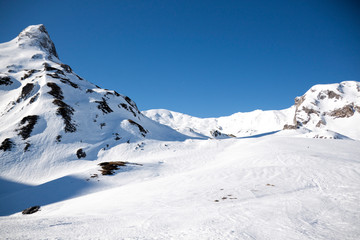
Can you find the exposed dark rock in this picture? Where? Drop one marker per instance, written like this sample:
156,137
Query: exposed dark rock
7,145
299,101
117,94
34,98
103,106
332,94
80,153
108,168
31,210
141,129
132,111
357,108
66,67
48,67
89,91
5,80
53,75
30,122
80,78
27,146
123,105
29,74
321,122
321,96
346,111
68,82
310,111
216,133
65,111
117,136
289,127
37,56
25,92
131,102
55,91
58,138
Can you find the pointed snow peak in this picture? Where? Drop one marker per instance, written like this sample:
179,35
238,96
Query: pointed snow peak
36,35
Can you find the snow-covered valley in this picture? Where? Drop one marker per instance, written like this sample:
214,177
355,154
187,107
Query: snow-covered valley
101,169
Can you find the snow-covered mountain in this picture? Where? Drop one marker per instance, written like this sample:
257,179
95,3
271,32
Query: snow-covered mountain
329,110
48,113
325,111
236,125
97,168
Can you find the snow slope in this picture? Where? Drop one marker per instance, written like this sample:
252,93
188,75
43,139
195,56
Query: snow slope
252,188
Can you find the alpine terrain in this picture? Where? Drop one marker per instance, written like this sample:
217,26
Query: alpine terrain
81,162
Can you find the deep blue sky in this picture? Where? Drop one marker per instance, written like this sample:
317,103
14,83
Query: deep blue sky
203,58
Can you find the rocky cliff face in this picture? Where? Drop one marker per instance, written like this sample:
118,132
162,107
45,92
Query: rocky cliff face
334,107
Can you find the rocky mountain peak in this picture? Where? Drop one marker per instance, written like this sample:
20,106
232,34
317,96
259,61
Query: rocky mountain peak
328,106
37,36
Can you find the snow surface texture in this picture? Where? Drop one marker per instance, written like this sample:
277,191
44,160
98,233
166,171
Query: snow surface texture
236,177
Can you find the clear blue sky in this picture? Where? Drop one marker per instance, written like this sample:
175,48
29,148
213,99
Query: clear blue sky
203,58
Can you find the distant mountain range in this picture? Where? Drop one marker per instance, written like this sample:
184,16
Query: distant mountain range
325,111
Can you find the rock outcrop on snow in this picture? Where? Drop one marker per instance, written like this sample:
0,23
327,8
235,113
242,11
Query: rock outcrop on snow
329,107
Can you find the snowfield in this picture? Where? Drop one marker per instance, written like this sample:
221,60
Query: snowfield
101,169
271,187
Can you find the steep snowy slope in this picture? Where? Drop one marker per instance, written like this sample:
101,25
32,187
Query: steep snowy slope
50,114
236,125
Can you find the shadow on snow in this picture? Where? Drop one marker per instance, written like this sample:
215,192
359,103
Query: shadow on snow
15,197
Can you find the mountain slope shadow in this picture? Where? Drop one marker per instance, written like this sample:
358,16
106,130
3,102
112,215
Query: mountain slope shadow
261,135
44,194
7,187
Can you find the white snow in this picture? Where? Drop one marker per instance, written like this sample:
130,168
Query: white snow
256,182
308,189
238,124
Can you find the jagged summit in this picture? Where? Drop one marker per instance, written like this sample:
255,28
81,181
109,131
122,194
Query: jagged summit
37,36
